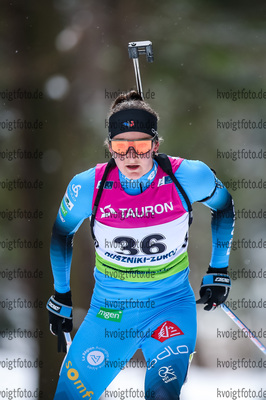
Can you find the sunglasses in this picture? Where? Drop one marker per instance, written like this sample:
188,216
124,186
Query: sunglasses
122,146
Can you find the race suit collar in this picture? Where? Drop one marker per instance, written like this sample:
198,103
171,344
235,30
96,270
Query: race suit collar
137,186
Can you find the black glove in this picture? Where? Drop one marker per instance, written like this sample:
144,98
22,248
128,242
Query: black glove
214,288
60,316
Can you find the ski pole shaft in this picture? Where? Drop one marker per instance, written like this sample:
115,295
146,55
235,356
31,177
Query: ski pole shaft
68,340
244,328
236,320
68,344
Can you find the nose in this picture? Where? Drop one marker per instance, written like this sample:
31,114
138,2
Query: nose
131,152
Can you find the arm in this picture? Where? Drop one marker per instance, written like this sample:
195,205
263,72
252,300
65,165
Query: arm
75,207
201,185
222,224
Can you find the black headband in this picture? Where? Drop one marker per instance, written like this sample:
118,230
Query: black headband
133,120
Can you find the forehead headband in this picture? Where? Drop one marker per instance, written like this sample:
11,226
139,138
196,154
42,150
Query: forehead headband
133,120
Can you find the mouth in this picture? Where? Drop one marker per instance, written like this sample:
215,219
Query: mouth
132,167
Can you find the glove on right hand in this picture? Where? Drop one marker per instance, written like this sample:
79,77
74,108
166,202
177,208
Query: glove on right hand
60,316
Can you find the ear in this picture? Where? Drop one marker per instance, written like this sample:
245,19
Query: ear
156,147
110,150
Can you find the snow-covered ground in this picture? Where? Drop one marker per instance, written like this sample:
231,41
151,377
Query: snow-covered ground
202,384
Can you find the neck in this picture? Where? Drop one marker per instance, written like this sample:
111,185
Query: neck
137,186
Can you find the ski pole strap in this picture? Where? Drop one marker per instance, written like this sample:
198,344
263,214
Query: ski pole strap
110,164
164,162
58,308
216,280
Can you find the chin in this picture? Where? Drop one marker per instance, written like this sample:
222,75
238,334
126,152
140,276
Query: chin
133,175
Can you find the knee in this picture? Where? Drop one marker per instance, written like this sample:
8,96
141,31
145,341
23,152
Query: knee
165,382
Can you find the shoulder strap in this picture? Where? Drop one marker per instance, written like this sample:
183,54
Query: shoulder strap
164,162
214,190
110,165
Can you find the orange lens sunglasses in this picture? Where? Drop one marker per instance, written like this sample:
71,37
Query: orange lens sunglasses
141,146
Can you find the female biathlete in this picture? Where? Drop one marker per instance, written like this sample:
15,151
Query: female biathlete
140,210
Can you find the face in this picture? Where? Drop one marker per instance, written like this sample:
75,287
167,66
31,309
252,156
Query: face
132,165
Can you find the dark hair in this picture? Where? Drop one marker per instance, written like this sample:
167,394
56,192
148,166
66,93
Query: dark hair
127,101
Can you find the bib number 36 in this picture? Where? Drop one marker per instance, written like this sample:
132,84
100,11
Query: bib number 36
148,245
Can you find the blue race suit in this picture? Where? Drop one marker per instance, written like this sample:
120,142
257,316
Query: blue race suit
163,325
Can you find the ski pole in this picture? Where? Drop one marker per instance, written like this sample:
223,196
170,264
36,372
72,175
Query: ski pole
68,340
68,344
236,320
134,50
243,327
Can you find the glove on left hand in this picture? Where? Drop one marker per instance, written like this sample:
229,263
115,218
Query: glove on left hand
214,289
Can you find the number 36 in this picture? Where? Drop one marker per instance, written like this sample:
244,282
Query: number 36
148,245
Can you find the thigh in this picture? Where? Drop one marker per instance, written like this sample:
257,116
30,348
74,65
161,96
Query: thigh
169,350
97,354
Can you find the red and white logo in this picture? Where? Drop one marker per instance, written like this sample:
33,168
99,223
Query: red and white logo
166,331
